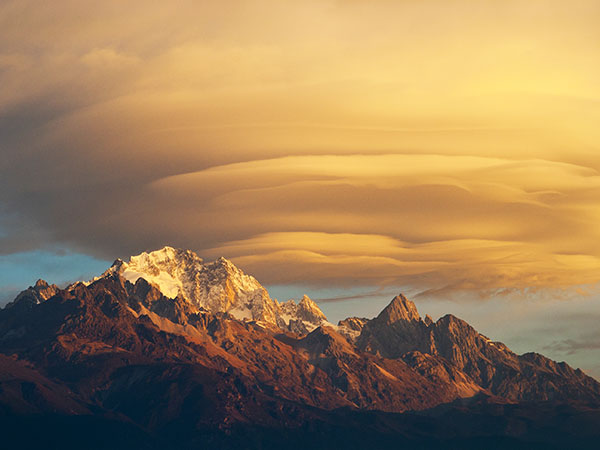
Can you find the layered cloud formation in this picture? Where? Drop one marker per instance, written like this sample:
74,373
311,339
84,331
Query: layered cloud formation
442,145
437,221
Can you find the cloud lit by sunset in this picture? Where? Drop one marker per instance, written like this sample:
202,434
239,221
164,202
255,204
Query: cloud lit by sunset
445,146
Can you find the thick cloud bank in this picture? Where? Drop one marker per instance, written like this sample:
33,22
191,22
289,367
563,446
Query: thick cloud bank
441,145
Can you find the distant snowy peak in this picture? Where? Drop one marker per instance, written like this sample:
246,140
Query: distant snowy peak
302,317
217,286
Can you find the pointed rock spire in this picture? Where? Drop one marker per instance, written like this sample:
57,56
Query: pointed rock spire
308,310
41,284
400,308
34,295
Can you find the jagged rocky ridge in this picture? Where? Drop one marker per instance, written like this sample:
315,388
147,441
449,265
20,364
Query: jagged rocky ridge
34,295
399,332
164,335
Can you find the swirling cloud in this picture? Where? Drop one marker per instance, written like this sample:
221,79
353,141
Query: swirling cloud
429,220
441,145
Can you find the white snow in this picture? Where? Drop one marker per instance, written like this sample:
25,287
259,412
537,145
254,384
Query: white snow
241,314
218,286
168,285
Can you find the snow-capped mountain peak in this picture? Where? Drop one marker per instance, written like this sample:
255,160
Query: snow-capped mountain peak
217,286
168,268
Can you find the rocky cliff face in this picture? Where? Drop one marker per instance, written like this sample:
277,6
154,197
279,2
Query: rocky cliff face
396,330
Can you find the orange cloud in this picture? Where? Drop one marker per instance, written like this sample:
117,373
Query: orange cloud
426,220
429,143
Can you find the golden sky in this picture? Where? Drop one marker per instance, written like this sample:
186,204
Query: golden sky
444,145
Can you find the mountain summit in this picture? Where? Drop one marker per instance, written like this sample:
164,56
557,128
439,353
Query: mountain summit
217,286
400,308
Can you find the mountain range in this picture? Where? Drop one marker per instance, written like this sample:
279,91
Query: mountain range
167,351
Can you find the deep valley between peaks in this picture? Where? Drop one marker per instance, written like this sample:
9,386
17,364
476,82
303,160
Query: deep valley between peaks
167,351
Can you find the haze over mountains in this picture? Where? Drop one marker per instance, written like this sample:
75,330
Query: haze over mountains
167,345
